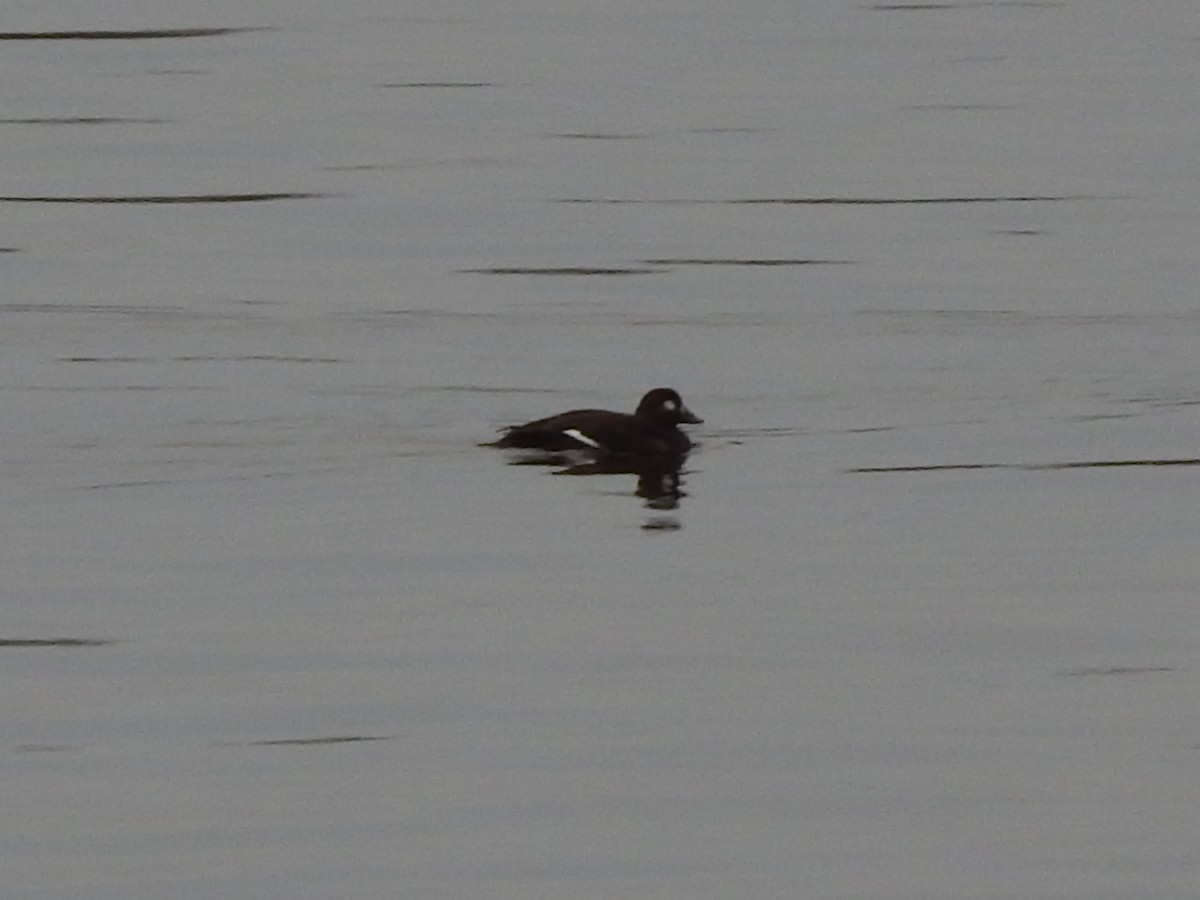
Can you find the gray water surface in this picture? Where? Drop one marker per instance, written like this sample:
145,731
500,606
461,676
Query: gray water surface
923,623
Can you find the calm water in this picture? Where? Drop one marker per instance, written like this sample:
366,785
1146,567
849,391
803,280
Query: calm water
923,626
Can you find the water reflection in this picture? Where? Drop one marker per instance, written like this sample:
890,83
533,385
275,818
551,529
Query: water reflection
660,480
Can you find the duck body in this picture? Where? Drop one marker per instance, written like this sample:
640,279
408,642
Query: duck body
652,430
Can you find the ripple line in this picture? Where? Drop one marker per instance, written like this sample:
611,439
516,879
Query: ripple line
1029,467
168,198
718,261
319,741
84,120
562,270
121,35
835,201
55,642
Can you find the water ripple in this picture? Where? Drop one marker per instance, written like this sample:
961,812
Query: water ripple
167,198
142,34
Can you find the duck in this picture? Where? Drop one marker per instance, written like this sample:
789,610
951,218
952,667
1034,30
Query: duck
652,431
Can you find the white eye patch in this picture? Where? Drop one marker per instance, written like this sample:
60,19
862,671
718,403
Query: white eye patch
576,434
670,405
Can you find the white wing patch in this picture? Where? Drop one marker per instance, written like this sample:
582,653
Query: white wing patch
578,435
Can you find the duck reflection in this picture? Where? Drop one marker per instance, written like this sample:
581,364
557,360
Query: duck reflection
660,479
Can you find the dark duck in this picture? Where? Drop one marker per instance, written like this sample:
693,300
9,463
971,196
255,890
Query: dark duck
651,432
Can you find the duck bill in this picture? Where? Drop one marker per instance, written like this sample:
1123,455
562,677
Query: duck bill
687,417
